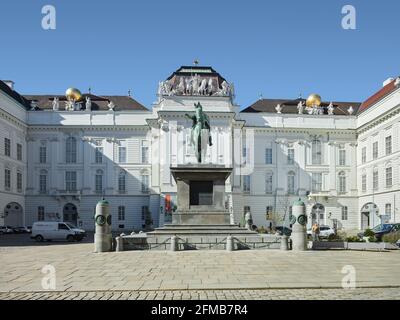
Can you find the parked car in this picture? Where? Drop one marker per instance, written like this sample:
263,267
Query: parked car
22,230
6,229
324,231
284,230
56,231
381,229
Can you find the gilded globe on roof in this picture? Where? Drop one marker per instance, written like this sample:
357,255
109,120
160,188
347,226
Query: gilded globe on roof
73,94
313,100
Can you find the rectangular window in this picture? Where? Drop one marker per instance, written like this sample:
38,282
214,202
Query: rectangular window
145,183
99,183
290,157
244,155
364,182
246,183
43,183
345,216
99,155
389,177
121,213
316,182
122,154
388,145
145,209
145,152
7,179
7,147
342,157
19,152
375,150
342,183
19,181
42,154
268,156
269,214
40,213
375,180
316,152
388,210
70,181
268,183
188,146
71,152
121,183
364,155
291,184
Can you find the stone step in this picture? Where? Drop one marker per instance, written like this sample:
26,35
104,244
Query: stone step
213,230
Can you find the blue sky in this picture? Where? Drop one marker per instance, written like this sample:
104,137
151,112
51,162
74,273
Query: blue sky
277,48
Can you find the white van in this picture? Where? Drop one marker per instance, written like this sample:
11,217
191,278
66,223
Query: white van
56,231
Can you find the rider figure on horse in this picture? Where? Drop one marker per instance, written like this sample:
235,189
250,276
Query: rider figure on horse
200,122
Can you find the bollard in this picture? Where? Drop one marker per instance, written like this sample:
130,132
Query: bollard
284,243
174,243
119,246
299,226
103,241
229,244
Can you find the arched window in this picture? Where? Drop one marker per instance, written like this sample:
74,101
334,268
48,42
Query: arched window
316,152
122,182
290,182
342,182
70,150
43,181
99,181
268,182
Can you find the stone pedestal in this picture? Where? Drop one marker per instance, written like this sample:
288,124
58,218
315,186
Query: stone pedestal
201,195
202,222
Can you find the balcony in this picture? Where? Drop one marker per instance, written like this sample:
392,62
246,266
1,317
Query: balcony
319,194
68,194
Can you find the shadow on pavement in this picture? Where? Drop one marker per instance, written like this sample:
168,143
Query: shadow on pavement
24,240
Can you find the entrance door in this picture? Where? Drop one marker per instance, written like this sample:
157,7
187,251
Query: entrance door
318,214
368,211
70,214
13,215
365,220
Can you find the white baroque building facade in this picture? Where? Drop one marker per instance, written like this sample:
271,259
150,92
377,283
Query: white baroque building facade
59,156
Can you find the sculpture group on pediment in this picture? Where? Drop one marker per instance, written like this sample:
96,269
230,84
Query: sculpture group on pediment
195,86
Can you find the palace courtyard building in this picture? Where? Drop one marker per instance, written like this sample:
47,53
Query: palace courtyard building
60,155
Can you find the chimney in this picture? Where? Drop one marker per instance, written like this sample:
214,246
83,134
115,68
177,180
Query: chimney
387,81
10,83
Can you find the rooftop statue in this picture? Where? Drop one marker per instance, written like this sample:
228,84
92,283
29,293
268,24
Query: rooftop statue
200,133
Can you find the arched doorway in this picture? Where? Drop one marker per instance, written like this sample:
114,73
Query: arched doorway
13,215
70,214
367,212
318,214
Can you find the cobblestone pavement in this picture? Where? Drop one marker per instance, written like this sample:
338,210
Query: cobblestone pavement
269,294
79,271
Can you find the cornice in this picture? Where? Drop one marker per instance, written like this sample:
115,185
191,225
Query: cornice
381,119
13,120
